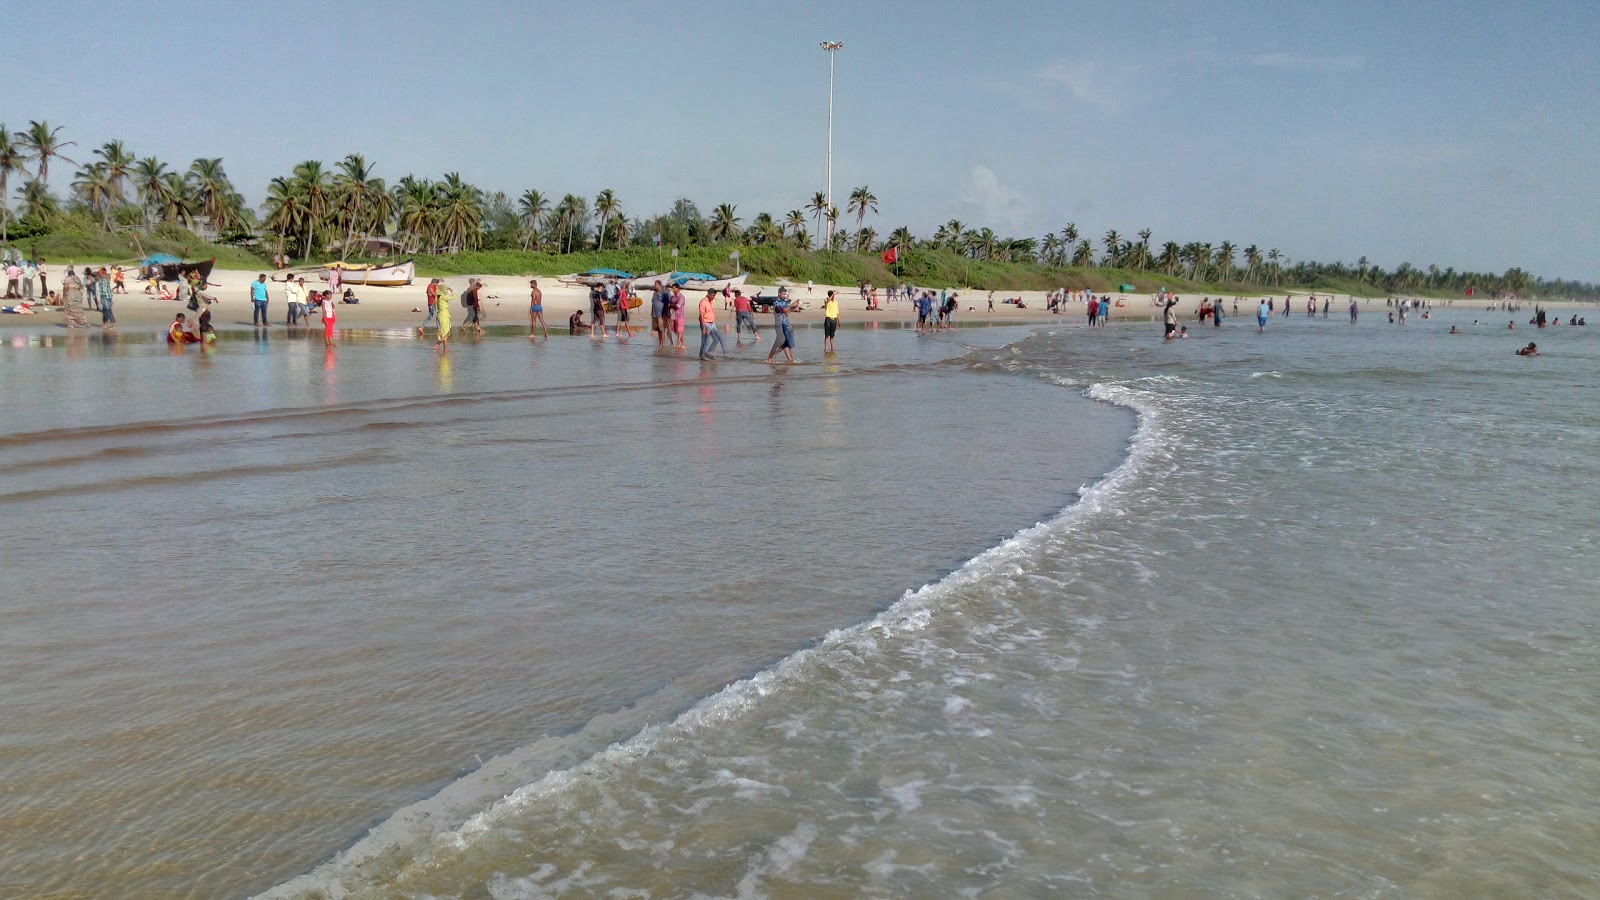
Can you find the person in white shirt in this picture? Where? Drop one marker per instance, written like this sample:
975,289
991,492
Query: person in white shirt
294,294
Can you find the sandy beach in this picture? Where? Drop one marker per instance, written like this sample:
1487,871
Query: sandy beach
506,303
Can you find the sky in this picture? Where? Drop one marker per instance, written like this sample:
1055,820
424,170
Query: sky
1460,133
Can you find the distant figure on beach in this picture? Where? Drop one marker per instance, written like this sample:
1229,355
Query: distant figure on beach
708,325
103,287
72,300
536,309
924,306
294,297
1531,350
335,278
830,321
658,312
473,303
441,337
743,315
783,335
1354,310
677,313
1169,319
258,301
597,312
328,318
1094,310
1262,312
13,281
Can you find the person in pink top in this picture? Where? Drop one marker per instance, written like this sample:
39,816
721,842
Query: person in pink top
708,325
743,315
328,315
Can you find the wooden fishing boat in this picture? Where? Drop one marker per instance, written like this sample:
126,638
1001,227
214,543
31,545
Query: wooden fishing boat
370,275
171,268
691,281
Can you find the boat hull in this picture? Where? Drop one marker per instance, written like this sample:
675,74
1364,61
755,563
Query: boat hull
380,276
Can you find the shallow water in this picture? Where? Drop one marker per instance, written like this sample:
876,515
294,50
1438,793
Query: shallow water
262,598
1326,628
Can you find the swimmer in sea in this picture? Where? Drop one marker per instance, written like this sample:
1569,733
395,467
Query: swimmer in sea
1531,350
1453,330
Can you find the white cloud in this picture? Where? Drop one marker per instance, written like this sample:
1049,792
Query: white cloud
992,203
1087,82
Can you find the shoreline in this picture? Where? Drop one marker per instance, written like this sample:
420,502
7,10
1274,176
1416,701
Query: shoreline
505,302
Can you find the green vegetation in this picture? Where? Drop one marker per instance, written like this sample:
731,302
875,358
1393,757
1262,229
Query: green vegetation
316,213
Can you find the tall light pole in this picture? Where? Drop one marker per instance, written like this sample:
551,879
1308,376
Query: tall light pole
832,48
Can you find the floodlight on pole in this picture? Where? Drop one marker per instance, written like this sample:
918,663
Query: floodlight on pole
832,48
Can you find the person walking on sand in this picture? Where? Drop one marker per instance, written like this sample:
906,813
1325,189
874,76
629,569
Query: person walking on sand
441,340
830,321
783,335
708,325
743,315
72,300
258,302
536,309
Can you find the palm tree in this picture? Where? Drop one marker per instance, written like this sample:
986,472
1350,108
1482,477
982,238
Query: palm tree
11,159
724,224
212,192
533,205
40,144
818,206
119,167
794,222
902,238
607,205
1171,258
38,203
285,208
361,199
312,182
1069,234
93,186
1224,261
571,211
177,204
862,201
1084,255
1272,262
1252,261
460,213
149,180
1113,245
415,200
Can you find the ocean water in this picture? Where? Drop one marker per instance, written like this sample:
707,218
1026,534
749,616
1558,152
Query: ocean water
1007,613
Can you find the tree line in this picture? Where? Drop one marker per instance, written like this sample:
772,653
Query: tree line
317,209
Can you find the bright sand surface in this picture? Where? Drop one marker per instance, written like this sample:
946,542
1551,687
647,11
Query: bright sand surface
505,302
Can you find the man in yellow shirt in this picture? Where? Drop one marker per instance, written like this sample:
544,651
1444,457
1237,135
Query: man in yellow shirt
830,321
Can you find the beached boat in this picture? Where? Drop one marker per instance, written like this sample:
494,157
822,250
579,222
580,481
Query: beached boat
690,281
594,277
395,275
171,268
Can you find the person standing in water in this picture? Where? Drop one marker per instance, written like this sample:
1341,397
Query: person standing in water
445,297
783,335
1262,312
1169,319
708,325
536,309
830,321
1354,310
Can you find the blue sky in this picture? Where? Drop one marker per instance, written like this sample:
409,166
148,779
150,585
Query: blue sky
1457,133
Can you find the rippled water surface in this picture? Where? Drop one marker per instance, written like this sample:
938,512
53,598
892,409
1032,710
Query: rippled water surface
1326,627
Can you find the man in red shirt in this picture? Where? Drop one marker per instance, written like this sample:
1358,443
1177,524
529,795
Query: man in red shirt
743,315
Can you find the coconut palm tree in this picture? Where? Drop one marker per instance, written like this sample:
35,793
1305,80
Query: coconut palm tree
286,211
1224,261
358,198
724,224
460,213
38,203
862,201
1252,261
1113,245
818,207
607,205
149,181
901,237
11,159
119,167
1171,258
1272,262
533,205
40,144
794,222
572,211
315,186
212,192
864,239
1084,255
93,186
1144,248
177,204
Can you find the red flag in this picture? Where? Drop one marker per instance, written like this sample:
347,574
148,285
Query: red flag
891,255
1469,292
